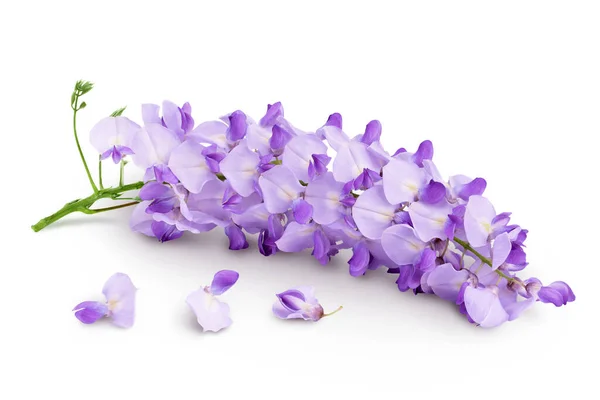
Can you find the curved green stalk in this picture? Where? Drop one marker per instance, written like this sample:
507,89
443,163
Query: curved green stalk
83,205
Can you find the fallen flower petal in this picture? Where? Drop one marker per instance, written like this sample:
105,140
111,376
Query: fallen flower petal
299,303
119,292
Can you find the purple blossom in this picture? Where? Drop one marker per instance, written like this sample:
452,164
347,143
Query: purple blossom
211,313
325,191
119,306
299,303
177,119
113,136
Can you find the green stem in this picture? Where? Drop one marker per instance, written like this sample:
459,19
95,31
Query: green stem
83,205
333,312
99,210
483,259
122,173
87,170
100,173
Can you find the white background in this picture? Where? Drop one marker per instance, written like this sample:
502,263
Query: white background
509,91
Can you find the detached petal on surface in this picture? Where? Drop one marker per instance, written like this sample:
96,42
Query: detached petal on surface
120,298
89,312
212,314
223,281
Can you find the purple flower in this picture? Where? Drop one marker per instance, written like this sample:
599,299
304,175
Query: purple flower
484,307
152,146
280,188
240,167
119,305
298,154
402,180
177,120
189,164
297,237
325,191
373,213
352,159
300,303
480,220
113,136
212,314
324,195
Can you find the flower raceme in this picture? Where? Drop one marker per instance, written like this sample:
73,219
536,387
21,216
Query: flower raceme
325,191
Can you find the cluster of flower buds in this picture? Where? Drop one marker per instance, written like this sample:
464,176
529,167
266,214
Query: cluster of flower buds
323,191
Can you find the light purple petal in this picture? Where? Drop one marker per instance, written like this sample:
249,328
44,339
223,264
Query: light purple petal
258,137
284,313
172,117
206,207
352,159
372,133
402,180
424,152
321,247
401,244
293,300
474,188
279,138
141,221
253,219
150,114
500,250
274,112
153,145
189,165
162,206
302,211
280,187
324,195
334,119
359,262
165,231
212,314
429,220
237,126
373,213
240,167
432,193
512,303
120,299
298,153
484,307
366,179
296,237
210,132
550,295
478,220
564,290
336,138
446,282
223,281
237,239
155,190
113,131
89,312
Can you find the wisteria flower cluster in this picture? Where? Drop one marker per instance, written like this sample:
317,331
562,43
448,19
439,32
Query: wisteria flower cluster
324,191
